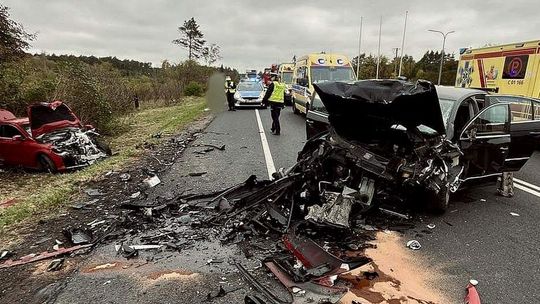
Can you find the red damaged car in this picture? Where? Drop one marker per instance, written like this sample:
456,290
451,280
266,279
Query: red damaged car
51,138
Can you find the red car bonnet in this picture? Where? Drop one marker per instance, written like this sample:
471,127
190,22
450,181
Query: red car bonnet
47,117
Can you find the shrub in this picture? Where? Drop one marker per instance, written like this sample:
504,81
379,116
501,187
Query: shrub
193,89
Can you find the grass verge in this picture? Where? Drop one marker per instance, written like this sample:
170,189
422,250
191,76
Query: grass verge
39,194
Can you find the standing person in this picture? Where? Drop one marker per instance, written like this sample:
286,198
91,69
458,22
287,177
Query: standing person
274,98
230,89
136,101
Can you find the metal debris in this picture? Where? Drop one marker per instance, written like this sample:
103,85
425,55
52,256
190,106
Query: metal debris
200,173
42,256
152,181
56,264
414,245
93,192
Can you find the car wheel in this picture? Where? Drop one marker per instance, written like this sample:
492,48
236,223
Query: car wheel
46,164
295,110
103,146
438,202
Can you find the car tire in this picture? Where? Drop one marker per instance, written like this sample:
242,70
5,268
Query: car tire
438,202
103,146
295,110
46,164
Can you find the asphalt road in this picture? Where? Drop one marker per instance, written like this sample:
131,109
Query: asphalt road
477,238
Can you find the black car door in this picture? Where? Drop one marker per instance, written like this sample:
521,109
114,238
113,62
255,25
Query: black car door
524,129
485,141
316,118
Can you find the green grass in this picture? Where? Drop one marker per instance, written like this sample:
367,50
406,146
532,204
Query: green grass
38,194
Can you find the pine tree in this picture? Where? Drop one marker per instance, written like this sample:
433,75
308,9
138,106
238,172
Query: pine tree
13,38
191,38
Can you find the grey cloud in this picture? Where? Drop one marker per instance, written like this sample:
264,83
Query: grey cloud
254,34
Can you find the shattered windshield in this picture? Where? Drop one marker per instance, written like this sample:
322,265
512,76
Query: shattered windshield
331,74
446,108
250,86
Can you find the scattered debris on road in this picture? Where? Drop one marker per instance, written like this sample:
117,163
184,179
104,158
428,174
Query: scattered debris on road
414,245
56,264
472,296
152,181
44,255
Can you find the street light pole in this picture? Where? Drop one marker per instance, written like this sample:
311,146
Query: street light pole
442,52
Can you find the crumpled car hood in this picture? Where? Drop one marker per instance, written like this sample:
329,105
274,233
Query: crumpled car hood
363,107
47,117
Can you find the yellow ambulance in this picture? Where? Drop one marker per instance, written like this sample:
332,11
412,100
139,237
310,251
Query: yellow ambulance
313,68
285,72
512,69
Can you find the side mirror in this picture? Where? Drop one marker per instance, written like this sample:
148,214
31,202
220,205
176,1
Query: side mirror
17,138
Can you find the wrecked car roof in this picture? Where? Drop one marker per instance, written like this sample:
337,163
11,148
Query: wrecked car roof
6,115
47,117
367,105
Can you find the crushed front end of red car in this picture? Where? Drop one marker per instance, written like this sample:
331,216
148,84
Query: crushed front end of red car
51,139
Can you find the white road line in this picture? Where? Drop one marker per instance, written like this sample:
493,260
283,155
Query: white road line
266,149
524,183
527,189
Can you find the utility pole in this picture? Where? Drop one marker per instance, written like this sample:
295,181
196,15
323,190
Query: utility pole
359,46
442,52
395,61
379,50
403,43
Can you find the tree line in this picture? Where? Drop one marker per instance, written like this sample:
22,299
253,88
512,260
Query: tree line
426,68
98,89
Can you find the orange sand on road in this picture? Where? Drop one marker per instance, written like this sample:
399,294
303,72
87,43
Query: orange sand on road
401,279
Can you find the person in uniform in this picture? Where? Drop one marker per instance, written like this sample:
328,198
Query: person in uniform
274,98
230,89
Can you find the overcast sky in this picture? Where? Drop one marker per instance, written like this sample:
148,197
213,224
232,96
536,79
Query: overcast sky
254,34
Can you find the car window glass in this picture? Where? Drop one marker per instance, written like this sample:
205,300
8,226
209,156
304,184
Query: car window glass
300,75
9,131
446,108
520,108
317,105
536,110
249,86
490,122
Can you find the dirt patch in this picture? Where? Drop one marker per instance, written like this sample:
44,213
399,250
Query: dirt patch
171,274
104,267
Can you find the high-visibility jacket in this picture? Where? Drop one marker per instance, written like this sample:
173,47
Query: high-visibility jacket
230,87
278,92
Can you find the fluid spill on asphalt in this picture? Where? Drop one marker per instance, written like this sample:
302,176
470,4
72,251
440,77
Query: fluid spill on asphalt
401,279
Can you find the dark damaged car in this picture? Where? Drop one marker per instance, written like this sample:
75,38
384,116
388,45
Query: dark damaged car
393,139
51,138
